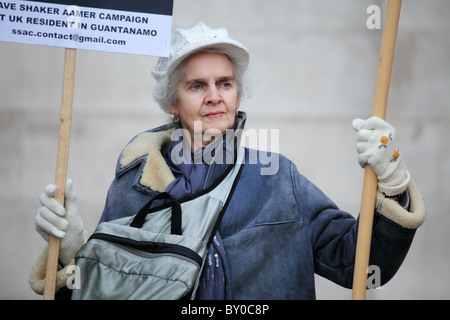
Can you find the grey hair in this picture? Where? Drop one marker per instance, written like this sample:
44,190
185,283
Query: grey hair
168,95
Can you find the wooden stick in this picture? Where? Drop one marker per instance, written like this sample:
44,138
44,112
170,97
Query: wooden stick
370,178
61,166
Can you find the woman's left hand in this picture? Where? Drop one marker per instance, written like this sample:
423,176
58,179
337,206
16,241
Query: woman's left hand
376,146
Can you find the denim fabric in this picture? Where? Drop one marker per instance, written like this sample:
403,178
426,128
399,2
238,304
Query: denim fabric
283,229
278,231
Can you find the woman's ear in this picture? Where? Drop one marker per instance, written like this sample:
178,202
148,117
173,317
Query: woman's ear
173,109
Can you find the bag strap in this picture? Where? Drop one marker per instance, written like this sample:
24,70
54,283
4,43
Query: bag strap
225,206
223,192
175,227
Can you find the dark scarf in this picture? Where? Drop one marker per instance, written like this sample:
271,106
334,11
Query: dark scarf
189,180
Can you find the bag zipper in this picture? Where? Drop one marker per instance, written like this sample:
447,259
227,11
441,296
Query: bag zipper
149,247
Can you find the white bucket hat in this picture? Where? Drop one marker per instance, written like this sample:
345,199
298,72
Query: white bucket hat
188,41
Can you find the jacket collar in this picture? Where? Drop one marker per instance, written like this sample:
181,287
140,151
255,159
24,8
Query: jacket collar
144,150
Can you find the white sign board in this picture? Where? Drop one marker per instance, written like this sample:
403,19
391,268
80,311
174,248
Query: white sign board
126,26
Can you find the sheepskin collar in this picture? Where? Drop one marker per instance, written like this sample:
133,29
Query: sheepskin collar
145,150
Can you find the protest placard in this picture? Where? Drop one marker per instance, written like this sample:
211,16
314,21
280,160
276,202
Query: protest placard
135,27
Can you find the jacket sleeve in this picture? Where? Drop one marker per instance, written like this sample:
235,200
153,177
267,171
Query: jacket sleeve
333,232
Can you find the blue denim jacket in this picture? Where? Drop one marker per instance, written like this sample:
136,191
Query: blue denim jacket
278,230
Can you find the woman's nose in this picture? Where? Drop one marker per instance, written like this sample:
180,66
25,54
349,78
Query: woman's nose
213,97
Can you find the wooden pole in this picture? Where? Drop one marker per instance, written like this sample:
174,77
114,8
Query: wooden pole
370,178
61,165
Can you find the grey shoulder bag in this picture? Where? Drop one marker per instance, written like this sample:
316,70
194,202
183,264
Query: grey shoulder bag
155,254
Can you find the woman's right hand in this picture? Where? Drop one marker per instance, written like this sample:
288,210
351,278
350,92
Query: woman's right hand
62,222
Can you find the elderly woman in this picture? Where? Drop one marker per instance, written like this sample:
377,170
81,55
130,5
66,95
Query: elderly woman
279,228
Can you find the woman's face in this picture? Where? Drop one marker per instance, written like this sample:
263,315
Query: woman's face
207,96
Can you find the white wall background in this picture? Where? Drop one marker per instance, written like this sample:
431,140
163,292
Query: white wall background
314,63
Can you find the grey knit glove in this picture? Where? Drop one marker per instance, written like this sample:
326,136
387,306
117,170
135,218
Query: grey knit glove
377,146
62,222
